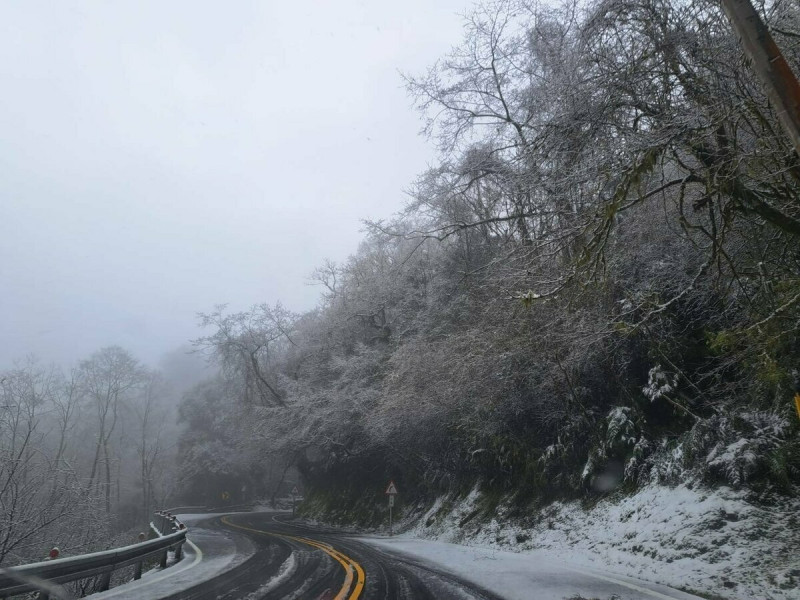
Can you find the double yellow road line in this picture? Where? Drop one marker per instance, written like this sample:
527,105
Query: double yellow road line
348,564
353,570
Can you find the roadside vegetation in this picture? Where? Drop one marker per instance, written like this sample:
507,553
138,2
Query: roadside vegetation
595,288
86,454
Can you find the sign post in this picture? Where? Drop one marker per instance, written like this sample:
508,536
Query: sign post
295,491
796,377
391,491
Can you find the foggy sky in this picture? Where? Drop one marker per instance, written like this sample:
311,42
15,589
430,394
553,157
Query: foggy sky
157,158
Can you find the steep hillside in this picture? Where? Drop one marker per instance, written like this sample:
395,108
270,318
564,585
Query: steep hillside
595,290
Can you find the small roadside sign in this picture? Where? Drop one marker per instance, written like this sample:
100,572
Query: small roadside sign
391,491
294,493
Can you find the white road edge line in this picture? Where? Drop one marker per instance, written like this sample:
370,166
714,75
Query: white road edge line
626,584
275,518
169,572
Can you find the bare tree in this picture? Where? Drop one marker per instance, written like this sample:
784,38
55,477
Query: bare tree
151,417
246,346
39,491
109,377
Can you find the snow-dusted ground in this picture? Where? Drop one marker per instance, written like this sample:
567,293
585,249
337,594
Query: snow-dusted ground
534,574
714,543
711,542
207,553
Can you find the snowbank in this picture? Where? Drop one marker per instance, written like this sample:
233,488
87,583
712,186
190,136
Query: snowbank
707,541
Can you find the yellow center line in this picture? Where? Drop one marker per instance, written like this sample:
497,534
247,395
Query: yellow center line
343,559
348,564
348,579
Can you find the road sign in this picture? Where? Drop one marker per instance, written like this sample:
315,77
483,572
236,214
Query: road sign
391,491
295,492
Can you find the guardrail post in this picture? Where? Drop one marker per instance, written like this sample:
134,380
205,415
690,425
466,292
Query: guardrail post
178,552
163,562
137,571
105,581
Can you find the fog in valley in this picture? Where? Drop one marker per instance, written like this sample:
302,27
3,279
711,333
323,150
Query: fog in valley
156,161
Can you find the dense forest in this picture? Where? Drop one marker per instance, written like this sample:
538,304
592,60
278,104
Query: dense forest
595,287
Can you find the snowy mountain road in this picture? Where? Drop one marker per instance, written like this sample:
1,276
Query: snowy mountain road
295,560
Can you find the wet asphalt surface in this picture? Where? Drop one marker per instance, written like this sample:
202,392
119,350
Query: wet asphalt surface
296,561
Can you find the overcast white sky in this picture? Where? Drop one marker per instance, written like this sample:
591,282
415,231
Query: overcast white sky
157,158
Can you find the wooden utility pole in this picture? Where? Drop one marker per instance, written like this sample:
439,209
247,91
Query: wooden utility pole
780,83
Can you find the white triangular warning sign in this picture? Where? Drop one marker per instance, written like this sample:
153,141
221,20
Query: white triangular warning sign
392,489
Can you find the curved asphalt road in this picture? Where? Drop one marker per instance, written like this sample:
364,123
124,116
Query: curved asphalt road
294,561
270,556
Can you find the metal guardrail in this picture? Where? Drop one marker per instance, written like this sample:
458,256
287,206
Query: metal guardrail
227,507
27,578
184,509
165,522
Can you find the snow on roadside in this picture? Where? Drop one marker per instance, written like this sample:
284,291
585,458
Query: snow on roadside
522,576
285,573
709,541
